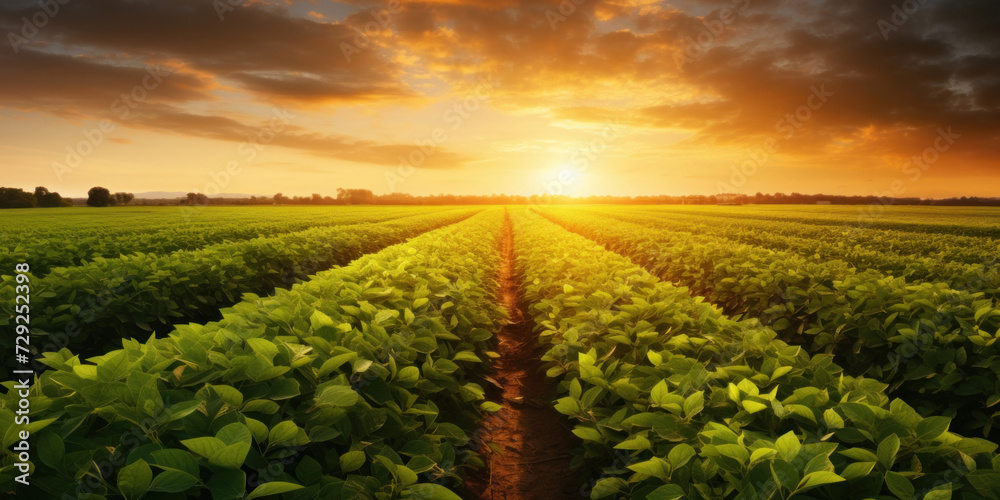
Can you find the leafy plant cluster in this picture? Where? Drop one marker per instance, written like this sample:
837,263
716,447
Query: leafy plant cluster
965,263
359,383
69,240
107,299
920,338
671,399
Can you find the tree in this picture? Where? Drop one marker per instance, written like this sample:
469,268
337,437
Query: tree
99,197
279,199
355,196
49,199
122,199
197,199
16,198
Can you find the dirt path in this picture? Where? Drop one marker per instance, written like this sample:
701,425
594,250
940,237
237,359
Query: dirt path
534,442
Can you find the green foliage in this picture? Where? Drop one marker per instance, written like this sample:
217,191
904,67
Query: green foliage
78,237
106,299
920,338
671,399
360,383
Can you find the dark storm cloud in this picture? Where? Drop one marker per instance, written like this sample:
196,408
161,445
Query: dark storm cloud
277,56
90,55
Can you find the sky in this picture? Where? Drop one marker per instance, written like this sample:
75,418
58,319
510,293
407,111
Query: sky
575,97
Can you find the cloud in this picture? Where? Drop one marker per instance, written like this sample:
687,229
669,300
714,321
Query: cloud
264,50
727,72
279,132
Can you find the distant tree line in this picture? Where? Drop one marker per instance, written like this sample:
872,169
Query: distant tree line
102,197
42,197
344,197
366,197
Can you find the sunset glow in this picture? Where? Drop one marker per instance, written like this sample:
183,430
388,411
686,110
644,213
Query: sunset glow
618,97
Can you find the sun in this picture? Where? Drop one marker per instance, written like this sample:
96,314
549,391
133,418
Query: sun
563,180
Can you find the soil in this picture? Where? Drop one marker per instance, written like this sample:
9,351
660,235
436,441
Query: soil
533,439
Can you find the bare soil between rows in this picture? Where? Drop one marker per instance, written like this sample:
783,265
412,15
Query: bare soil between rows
533,439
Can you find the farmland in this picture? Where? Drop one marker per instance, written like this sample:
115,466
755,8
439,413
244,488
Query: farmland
661,352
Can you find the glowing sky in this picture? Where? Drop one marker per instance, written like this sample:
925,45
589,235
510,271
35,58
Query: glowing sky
621,97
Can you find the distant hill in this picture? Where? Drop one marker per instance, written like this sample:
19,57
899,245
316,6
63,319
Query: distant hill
170,195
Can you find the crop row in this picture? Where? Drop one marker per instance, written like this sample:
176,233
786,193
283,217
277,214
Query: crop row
883,252
46,249
671,399
93,305
972,222
923,339
964,249
359,383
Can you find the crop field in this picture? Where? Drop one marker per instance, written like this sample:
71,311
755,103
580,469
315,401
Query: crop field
655,352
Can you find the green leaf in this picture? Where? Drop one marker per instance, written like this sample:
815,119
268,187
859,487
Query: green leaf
833,419
134,479
680,454
273,488
337,396
234,433
753,406
942,492
666,492
227,484
205,446
658,395
587,434
51,449
173,481
932,428
490,406
408,376
175,459
429,491
352,461
264,347
887,450
113,367
818,478
694,404
785,474
282,433
318,320
788,446
857,470
656,467
466,356
899,485
636,443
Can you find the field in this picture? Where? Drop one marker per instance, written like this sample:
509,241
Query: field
660,352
